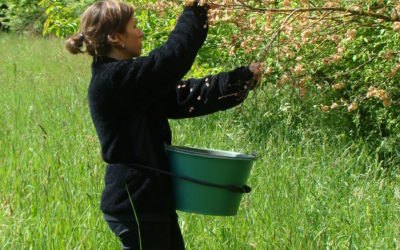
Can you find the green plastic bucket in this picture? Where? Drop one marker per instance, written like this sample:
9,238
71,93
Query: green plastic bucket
221,168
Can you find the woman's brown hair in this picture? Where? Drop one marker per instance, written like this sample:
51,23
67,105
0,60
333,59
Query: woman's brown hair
99,21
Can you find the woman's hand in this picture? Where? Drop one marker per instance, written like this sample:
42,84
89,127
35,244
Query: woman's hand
209,6
257,69
213,6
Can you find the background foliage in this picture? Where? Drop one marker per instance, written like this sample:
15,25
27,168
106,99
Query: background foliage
23,15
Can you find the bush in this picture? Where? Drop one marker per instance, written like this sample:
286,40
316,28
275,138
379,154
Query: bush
22,15
338,59
3,18
63,16
59,17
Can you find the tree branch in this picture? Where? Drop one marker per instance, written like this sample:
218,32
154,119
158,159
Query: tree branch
320,9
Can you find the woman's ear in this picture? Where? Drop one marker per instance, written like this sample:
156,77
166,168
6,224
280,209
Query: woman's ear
114,40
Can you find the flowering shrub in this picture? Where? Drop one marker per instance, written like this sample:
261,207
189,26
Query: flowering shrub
341,57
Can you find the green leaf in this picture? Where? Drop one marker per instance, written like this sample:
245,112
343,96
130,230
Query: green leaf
49,9
46,26
42,2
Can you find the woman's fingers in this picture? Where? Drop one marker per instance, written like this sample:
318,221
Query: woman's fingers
257,69
213,6
207,5
254,67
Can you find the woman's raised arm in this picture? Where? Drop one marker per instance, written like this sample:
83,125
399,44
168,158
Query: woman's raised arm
196,97
150,75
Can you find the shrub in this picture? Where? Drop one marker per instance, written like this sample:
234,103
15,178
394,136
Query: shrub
63,16
22,15
341,58
3,18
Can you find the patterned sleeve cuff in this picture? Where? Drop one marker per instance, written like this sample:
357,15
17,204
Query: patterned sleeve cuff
240,81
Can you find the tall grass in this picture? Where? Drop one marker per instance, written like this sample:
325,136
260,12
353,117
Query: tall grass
312,186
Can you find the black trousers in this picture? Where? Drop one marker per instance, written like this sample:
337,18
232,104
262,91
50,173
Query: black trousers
156,232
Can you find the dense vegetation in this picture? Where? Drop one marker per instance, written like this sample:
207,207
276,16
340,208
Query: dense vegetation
325,123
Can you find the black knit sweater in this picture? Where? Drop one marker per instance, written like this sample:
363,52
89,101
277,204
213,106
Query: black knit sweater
130,103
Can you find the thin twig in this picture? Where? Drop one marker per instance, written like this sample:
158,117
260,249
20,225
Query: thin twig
351,70
268,47
320,9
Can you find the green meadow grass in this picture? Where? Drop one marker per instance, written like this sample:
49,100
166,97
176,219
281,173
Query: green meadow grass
313,187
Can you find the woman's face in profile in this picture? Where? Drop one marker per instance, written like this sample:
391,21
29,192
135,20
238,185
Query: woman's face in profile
132,39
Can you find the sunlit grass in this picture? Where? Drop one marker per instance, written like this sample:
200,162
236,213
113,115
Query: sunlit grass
312,186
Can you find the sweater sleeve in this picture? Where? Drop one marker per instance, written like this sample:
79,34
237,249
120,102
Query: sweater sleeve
144,78
196,97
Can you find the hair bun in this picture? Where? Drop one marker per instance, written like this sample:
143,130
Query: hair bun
74,44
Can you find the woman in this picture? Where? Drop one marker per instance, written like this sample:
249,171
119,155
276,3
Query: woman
130,102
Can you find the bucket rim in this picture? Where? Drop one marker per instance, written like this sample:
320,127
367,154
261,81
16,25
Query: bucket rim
210,153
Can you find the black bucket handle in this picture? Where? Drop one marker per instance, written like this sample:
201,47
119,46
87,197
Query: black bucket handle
244,189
